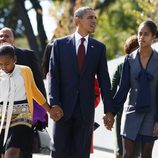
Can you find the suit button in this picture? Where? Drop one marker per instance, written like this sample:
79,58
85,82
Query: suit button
136,89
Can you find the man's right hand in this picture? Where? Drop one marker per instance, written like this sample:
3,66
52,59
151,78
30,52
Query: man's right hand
56,112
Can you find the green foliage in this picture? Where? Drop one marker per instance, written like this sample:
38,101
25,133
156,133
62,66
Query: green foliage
22,42
119,21
9,16
4,3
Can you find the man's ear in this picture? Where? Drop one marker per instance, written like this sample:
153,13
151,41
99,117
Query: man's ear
76,21
15,59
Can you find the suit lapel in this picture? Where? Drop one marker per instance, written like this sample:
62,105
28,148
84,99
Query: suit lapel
72,48
153,63
135,64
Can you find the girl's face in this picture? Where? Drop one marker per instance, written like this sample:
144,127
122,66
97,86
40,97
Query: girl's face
7,63
145,36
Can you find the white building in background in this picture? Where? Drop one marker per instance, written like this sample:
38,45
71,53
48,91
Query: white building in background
155,45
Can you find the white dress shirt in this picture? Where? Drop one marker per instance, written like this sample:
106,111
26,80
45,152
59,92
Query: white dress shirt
78,41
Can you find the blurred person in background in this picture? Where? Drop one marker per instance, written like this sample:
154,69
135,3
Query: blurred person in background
130,45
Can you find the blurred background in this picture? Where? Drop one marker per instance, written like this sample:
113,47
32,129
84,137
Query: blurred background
37,22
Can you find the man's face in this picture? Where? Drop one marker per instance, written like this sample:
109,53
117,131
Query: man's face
6,36
87,23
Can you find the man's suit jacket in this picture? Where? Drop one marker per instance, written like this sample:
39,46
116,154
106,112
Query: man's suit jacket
67,85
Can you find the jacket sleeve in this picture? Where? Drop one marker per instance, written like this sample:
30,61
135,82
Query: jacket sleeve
37,72
104,81
121,95
54,76
116,79
156,114
36,94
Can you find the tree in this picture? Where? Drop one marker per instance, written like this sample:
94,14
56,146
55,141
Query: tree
14,14
26,22
65,21
120,20
41,32
117,20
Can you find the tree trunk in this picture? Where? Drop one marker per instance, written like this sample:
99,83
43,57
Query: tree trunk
28,27
41,32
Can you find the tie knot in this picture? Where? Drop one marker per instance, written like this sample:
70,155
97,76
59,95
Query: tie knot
82,40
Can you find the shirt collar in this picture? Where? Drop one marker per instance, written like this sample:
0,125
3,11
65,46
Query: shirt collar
78,37
15,71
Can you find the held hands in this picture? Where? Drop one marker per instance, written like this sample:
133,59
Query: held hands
56,113
108,120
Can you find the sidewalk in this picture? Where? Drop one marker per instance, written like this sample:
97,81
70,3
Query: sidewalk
97,154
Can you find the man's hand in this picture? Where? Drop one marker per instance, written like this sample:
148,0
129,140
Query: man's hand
108,120
56,112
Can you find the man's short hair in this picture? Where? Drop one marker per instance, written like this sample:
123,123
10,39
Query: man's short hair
81,11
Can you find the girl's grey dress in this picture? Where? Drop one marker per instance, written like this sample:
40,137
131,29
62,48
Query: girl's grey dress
140,114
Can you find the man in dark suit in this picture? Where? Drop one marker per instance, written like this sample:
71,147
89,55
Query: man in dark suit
74,63
29,58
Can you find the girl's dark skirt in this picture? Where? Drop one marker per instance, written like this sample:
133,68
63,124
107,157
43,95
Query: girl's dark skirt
19,136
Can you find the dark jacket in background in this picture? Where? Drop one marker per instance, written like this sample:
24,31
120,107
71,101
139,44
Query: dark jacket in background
46,57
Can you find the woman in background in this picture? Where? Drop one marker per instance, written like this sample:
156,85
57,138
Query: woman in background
130,45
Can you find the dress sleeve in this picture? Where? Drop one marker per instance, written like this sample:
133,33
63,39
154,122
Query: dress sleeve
36,94
121,95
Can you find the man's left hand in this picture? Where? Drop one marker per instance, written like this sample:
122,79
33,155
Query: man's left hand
108,120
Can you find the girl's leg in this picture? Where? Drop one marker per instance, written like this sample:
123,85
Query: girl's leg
12,153
118,149
147,148
128,148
